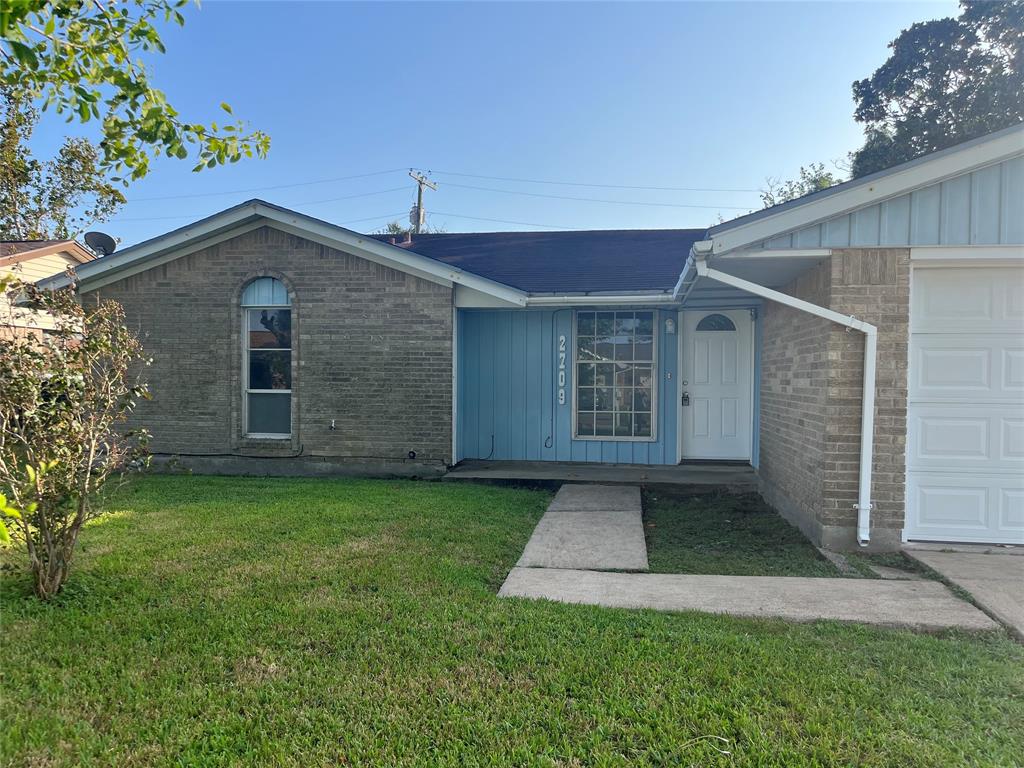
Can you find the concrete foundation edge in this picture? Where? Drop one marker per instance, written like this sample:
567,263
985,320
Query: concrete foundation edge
839,538
294,466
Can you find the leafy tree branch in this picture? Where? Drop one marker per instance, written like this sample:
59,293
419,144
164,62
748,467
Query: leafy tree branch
80,58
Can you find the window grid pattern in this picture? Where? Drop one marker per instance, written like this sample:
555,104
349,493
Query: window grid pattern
267,364
615,366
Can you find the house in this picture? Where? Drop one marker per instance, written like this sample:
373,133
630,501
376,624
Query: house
31,261
890,306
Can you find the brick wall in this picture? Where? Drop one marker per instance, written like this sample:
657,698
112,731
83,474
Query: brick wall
810,431
371,350
794,389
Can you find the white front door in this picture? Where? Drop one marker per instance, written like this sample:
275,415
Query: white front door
965,405
715,381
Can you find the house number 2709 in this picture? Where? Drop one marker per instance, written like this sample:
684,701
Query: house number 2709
561,369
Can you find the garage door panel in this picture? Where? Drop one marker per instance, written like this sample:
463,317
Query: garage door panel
1011,440
943,368
959,300
944,503
944,437
1011,510
968,368
947,301
962,438
1013,370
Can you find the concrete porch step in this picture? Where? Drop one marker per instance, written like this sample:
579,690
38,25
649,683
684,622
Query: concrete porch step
732,476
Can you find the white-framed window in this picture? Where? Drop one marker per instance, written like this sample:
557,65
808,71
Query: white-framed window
616,373
267,358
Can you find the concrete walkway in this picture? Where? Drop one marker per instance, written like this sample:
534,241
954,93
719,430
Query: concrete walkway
598,527
995,580
589,531
920,605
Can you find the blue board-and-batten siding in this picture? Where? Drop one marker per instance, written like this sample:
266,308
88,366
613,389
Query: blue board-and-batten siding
982,207
507,392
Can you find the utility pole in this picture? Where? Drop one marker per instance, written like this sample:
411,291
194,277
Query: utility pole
417,217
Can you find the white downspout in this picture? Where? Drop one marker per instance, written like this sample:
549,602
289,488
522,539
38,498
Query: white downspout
867,416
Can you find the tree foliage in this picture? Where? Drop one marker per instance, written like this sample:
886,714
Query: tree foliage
398,229
48,199
80,58
945,81
64,396
813,178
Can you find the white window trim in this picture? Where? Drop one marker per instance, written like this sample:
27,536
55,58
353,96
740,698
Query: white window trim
655,376
246,391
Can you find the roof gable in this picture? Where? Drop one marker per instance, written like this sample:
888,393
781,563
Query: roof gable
257,213
848,213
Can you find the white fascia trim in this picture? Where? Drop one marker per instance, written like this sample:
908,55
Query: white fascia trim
245,218
896,183
867,422
600,299
967,253
778,253
687,280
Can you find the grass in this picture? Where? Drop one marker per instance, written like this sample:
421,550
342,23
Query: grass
729,534
227,621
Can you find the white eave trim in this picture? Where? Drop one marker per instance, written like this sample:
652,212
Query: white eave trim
967,253
251,216
579,300
896,182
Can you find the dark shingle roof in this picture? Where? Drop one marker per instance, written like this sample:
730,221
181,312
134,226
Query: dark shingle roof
617,260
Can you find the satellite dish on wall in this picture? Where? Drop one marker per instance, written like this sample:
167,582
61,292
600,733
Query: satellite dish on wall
100,242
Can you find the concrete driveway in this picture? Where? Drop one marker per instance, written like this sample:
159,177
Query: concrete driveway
994,579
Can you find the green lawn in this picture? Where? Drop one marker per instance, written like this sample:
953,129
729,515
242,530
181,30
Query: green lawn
723,533
226,621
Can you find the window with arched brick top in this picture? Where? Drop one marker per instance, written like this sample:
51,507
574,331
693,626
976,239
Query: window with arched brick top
267,360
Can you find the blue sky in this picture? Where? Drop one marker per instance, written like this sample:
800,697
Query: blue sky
695,95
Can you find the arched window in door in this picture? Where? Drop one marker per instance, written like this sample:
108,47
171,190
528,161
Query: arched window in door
715,322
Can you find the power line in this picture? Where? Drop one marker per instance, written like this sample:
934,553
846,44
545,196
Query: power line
603,186
261,189
308,202
499,221
444,173
598,200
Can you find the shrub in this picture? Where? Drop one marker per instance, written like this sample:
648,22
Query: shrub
66,388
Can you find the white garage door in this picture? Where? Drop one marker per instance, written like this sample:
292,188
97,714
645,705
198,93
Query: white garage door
965,431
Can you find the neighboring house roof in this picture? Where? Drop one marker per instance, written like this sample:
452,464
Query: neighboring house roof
868,190
15,251
595,261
